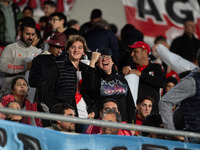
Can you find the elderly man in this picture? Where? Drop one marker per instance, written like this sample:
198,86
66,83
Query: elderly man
66,110
187,94
152,76
14,57
112,116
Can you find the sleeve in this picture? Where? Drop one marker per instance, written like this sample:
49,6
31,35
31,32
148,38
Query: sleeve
48,96
176,95
130,106
8,62
35,73
156,77
113,44
174,61
90,82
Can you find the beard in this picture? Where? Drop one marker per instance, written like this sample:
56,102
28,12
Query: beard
27,42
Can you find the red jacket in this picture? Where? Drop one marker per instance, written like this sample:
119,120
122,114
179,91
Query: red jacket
96,129
29,106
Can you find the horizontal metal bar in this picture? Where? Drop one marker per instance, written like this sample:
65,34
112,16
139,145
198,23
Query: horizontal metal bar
95,122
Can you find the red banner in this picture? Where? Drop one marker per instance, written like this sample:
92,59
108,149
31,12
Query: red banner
162,17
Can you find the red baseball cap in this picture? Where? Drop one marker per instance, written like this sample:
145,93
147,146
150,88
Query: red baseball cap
57,39
141,44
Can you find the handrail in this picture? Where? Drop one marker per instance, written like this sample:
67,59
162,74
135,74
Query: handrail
95,122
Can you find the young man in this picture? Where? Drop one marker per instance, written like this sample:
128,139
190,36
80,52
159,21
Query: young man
144,108
13,58
58,22
151,76
49,7
66,110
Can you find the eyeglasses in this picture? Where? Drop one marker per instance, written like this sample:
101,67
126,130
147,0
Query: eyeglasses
105,57
53,20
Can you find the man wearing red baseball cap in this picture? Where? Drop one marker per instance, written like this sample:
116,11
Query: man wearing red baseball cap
42,64
152,76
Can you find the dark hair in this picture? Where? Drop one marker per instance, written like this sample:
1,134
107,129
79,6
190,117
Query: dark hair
96,13
71,31
60,109
28,8
113,28
49,2
43,19
15,80
27,22
39,44
71,23
111,111
188,19
60,16
107,100
153,120
159,38
169,79
144,97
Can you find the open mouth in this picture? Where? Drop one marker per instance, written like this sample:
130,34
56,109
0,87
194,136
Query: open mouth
105,64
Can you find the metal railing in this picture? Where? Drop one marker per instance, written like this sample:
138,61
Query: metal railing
95,122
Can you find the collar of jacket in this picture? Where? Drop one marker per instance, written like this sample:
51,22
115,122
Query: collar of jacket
21,44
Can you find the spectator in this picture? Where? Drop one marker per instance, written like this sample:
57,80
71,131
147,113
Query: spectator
171,82
73,24
112,116
13,58
129,35
27,12
153,120
100,37
144,108
9,14
64,82
185,93
12,117
103,81
58,22
108,103
96,15
49,7
41,67
66,110
152,76
187,45
19,88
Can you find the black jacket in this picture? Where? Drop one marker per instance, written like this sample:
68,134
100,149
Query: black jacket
61,85
152,78
186,47
100,85
39,72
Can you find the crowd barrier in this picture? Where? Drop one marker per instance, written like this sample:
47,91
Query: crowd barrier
26,137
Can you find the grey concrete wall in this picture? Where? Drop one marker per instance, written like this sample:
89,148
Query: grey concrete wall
113,11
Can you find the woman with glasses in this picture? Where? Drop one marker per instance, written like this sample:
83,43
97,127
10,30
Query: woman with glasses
102,81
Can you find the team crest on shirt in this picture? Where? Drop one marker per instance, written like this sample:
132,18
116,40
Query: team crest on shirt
151,73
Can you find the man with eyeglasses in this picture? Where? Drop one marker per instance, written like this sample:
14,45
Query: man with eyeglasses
151,75
107,104
102,81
